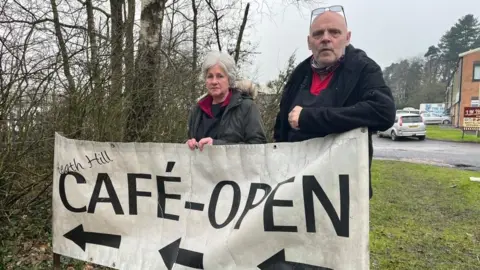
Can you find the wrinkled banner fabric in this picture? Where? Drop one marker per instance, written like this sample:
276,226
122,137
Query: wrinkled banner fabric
279,206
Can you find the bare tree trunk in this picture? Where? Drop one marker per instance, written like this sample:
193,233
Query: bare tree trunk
216,19
194,50
170,33
117,47
94,72
96,90
63,48
74,124
144,98
129,48
240,34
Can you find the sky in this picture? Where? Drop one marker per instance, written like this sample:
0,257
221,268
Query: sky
387,31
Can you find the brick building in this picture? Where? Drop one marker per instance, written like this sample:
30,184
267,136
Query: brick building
464,89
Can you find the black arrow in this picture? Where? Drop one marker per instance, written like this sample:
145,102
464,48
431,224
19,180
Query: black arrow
81,238
278,262
172,253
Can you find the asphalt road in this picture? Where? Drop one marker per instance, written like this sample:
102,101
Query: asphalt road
462,155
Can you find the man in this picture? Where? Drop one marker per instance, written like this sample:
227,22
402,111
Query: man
337,89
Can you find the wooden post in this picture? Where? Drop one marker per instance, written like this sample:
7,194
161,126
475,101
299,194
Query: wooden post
56,256
478,99
56,261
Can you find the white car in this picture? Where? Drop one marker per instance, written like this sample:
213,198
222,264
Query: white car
406,125
408,110
433,118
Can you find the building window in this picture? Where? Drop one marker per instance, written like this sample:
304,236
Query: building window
476,71
474,102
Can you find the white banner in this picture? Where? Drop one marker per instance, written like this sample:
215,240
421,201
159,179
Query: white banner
149,206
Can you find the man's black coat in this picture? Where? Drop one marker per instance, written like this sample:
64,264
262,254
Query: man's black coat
362,99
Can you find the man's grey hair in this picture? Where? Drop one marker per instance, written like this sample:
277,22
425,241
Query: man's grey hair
226,62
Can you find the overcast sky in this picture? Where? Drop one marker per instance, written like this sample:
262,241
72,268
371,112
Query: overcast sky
387,30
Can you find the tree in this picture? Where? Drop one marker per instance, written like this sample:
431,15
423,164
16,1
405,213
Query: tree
461,37
269,102
432,66
88,70
416,80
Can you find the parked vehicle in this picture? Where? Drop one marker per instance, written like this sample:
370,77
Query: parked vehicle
435,118
406,125
436,108
408,110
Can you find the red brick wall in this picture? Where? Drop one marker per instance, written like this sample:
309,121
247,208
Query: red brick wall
469,87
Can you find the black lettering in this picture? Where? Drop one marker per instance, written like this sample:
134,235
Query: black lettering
251,196
63,196
133,193
162,196
77,165
70,167
62,169
107,158
268,224
170,166
112,195
92,160
194,206
212,207
99,159
310,186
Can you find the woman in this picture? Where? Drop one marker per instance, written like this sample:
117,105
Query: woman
226,114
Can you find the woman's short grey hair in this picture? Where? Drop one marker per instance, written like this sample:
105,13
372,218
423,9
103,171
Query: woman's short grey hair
226,62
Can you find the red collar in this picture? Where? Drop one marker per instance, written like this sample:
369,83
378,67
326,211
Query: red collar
206,103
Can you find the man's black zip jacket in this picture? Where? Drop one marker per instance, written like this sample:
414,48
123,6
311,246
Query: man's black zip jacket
358,97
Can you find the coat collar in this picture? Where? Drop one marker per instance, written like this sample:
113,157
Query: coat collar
205,103
350,70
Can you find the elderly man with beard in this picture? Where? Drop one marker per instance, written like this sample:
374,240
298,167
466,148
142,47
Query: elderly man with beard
337,89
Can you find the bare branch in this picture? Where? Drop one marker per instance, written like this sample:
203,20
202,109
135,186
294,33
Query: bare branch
96,8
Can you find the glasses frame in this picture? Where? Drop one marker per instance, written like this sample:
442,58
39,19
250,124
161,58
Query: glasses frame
333,8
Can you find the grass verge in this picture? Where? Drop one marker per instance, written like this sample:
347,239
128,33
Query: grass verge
435,132
422,217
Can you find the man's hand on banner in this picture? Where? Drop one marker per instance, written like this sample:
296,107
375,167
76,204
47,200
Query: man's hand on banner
293,116
204,141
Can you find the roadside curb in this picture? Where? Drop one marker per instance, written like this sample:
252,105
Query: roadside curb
440,140
415,161
431,163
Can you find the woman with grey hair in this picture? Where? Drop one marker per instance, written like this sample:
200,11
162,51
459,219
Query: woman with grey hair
226,114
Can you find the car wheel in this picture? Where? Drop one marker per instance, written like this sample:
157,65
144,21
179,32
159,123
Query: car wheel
421,138
393,136
379,135
446,122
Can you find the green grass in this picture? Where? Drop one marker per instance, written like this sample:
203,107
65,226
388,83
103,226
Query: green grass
435,132
424,217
